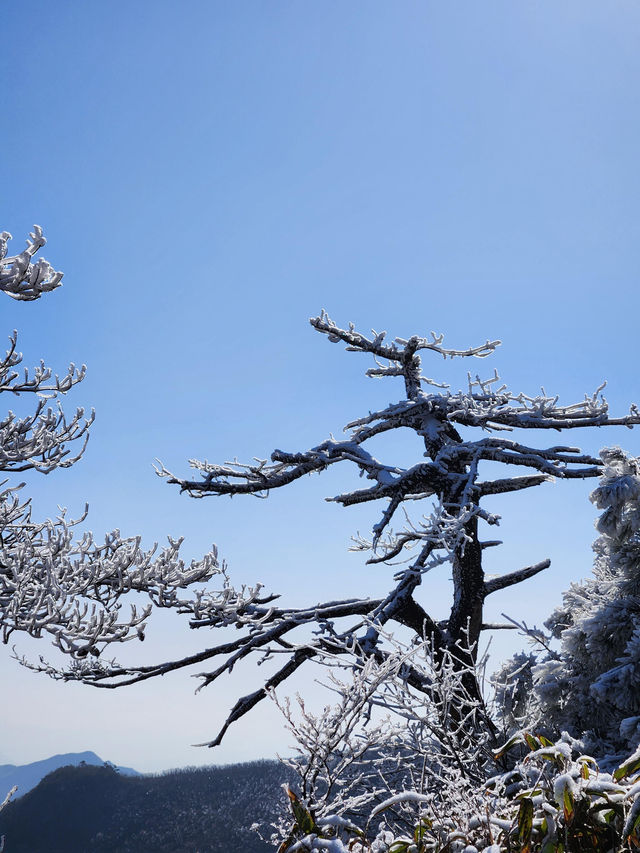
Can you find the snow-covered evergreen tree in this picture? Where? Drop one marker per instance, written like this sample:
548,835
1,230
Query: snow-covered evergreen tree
589,684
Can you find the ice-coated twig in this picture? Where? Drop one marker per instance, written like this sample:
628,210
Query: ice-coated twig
7,799
20,277
383,753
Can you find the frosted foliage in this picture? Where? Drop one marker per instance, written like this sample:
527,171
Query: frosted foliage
421,787
75,589
590,683
382,758
21,277
513,684
70,588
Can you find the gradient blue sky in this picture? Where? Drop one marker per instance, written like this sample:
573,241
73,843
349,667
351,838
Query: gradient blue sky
211,174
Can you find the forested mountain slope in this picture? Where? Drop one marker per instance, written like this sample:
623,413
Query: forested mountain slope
203,810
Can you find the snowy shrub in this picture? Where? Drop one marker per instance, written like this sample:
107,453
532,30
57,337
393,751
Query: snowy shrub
554,800
384,754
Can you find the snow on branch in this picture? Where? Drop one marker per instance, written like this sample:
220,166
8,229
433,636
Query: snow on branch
434,417
40,440
56,582
71,589
401,354
21,277
382,752
395,351
41,381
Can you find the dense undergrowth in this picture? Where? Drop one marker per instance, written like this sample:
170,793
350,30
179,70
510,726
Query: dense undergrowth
554,800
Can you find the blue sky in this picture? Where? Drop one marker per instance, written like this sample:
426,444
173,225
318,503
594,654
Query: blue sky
209,175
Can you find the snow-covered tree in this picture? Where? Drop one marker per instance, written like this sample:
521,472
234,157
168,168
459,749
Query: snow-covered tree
53,583
451,478
73,589
588,683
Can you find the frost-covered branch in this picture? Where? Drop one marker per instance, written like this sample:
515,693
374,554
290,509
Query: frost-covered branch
73,590
21,277
381,750
503,581
40,440
382,771
55,582
7,799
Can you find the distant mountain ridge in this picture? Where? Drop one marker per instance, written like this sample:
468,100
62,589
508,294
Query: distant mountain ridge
91,809
27,776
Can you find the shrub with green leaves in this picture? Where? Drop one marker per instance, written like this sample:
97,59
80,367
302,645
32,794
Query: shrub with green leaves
554,800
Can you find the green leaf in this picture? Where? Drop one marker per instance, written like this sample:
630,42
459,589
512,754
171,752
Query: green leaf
421,829
516,739
532,742
525,824
304,819
530,792
568,805
633,836
632,765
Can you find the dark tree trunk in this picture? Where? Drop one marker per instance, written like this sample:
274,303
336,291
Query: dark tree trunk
465,621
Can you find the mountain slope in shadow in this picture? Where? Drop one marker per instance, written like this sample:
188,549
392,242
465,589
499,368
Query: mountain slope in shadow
195,810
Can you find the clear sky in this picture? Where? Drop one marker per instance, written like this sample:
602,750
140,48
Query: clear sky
209,175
